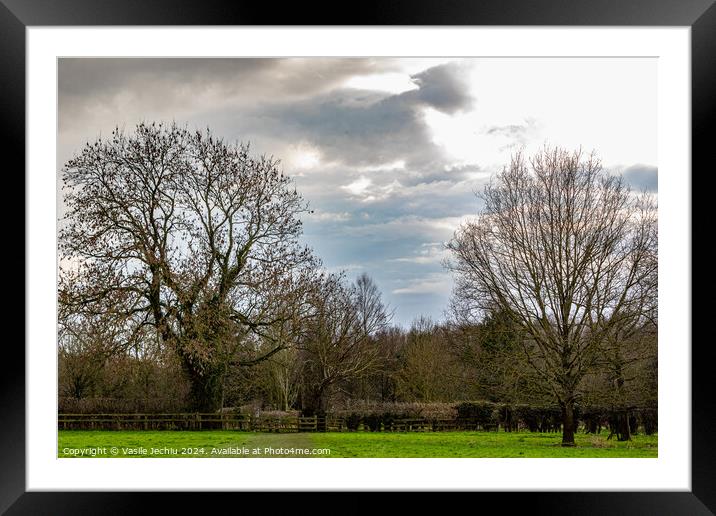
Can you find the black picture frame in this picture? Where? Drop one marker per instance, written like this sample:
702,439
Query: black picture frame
700,15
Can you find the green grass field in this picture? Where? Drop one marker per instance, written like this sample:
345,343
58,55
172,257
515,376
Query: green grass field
213,444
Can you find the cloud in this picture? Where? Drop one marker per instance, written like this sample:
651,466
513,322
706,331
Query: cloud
389,82
435,283
319,215
428,253
358,187
514,130
346,268
364,189
642,177
363,128
443,87
418,227
145,78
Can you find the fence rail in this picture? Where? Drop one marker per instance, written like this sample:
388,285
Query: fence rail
212,421
196,421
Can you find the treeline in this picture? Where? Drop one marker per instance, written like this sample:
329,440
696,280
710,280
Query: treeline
429,370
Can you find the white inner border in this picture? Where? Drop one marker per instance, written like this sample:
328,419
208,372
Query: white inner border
672,469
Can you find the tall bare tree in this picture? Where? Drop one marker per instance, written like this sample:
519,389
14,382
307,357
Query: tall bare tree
336,344
372,313
567,252
186,234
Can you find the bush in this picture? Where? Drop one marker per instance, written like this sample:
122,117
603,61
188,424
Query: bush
353,421
475,415
648,418
537,419
506,417
373,422
378,416
594,419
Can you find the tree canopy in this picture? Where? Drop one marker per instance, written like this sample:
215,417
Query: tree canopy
184,233
569,253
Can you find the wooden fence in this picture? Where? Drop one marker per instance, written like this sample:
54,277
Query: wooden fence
210,421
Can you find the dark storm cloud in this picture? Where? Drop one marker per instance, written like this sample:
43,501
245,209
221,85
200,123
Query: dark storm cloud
88,87
366,128
443,88
355,133
88,76
642,177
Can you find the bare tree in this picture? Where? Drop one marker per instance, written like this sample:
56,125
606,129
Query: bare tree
428,370
336,344
183,233
627,382
282,378
373,314
566,250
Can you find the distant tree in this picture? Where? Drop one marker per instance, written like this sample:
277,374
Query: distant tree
489,347
373,315
279,375
283,370
87,343
381,383
567,252
626,377
336,344
428,371
183,233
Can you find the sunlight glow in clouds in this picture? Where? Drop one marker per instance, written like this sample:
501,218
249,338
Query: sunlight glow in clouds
389,82
359,186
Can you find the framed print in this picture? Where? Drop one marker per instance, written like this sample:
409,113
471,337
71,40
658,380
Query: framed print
414,250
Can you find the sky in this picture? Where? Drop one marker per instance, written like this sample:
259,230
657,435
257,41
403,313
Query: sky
388,152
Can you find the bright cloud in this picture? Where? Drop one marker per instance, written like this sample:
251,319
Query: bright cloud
359,187
389,82
434,283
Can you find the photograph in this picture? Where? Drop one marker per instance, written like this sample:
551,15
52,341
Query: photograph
357,257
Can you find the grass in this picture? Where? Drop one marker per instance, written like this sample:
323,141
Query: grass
215,444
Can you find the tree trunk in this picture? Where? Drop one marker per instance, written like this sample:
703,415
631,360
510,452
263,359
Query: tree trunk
568,423
622,426
622,414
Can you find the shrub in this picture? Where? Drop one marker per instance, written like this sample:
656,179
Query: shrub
379,416
353,421
648,417
474,415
